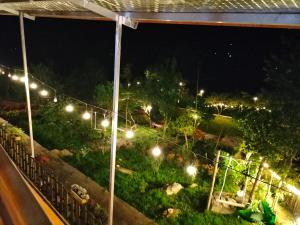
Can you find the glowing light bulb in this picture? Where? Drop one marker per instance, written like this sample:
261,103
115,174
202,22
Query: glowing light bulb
86,115
240,193
191,170
156,151
255,98
105,123
22,79
148,108
181,84
55,99
266,165
69,108
129,134
298,221
14,77
3,72
44,93
9,75
138,83
33,86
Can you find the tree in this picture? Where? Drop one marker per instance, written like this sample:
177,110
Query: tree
164,88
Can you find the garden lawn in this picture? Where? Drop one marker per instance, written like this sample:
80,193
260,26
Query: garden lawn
145,189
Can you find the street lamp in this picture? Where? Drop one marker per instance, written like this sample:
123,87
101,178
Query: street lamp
86,115
105,123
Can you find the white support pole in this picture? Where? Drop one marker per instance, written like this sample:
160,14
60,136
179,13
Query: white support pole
213,180
26,82
225,176
118,37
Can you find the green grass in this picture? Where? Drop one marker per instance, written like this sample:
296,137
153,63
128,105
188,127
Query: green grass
220,122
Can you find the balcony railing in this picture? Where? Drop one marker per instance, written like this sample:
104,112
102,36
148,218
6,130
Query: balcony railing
48,184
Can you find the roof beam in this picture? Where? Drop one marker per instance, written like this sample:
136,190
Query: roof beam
95,8
15,12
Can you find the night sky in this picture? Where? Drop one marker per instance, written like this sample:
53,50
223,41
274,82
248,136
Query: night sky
231,59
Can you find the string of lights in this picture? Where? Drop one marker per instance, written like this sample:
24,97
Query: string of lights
156,151
37,84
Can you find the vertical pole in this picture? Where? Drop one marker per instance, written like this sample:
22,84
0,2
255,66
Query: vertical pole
118,36
246,181
225,176
269,186
26,82
277,195
214,180
257,179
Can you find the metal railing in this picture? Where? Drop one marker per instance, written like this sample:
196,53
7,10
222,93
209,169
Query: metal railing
45,180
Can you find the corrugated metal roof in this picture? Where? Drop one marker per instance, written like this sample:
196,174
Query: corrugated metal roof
270,12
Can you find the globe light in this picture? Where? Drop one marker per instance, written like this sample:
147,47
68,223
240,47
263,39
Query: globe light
129,134
240,193
3,72
191,170
55,99
69,108
22,79
33,85
44,93
14,77
201,92
255,99
148,108
105,123
9,75
298,221
181,84
138,83
156,151
86,115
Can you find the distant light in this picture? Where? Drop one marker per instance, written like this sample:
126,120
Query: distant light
129,84
156,151
3,72
69,108
255,98
105,123
138,83
14,77
148,108
86,115
22,79
33,86
181,84
240,193
55,99
129,134
9,75
293,189
195,116
201,92
44,93
191,170
266,165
